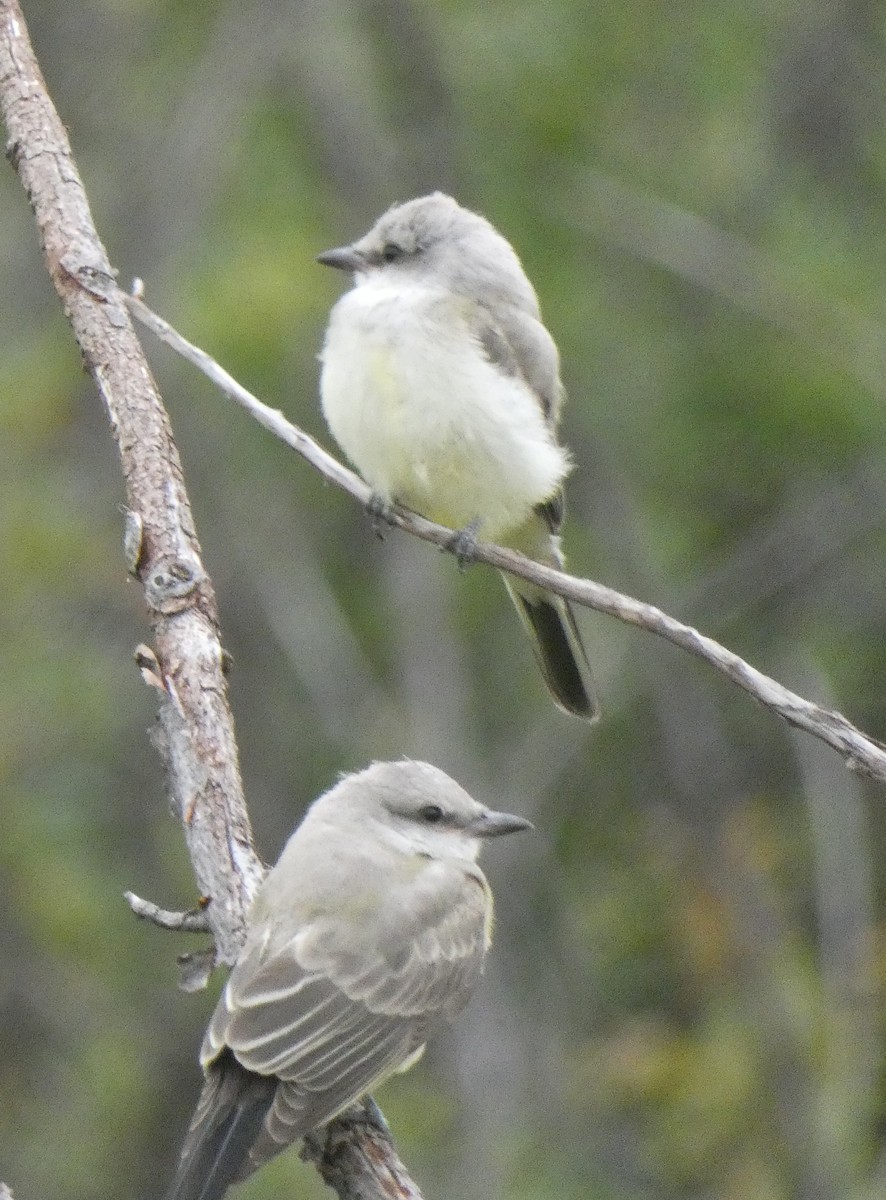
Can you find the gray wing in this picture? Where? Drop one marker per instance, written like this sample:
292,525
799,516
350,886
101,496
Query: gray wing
519,344
331,1032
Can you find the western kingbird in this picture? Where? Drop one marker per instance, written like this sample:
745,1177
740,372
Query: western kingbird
371,928
442,386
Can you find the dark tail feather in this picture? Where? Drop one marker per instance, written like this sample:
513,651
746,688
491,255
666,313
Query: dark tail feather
229,1116
558,648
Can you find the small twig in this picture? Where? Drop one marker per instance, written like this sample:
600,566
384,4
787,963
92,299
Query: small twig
193,921
862,753
195,966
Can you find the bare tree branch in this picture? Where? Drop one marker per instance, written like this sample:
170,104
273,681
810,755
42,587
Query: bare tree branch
862,753
193,921
195,733
355,1156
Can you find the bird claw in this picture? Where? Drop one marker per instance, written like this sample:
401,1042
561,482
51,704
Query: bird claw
463,543
375,1116
381,514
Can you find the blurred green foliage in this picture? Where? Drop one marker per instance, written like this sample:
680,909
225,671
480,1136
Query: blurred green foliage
686,991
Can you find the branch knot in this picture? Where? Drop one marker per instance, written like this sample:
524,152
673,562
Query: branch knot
171,581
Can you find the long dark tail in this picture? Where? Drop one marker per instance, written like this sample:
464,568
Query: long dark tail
558,648
227,1120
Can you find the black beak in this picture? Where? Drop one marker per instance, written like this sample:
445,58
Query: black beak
344,258
494,824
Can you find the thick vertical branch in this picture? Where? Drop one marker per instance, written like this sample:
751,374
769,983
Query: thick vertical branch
196,733
186,664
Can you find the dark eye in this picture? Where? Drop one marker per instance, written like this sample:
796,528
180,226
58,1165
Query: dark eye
432,813
391,252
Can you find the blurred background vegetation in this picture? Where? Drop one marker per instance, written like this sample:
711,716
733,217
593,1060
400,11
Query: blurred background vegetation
686,991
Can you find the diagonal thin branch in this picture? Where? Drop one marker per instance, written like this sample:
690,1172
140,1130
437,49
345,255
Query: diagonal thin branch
862,753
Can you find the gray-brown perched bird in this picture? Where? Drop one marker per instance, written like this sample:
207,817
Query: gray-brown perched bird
372,927
442,386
